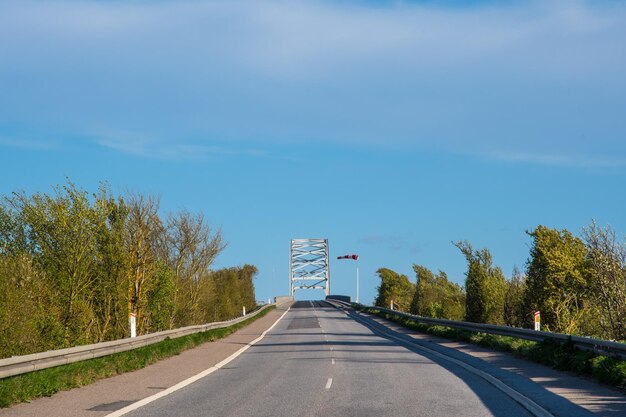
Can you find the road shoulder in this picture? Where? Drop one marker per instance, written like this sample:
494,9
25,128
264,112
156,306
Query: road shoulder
591,396
111,394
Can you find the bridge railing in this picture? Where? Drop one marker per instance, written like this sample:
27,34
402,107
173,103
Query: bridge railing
602,347
17,365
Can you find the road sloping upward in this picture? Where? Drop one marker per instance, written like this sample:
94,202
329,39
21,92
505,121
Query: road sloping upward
319,360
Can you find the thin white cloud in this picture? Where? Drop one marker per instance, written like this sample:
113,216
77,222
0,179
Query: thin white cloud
29,144
402,74
303,38
558,160
144,147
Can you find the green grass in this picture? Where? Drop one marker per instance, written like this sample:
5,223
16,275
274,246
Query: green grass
559,355
21,388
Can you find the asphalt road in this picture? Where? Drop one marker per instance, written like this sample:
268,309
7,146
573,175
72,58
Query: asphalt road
320,361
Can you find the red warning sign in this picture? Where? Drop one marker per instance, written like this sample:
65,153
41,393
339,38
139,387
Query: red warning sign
537,320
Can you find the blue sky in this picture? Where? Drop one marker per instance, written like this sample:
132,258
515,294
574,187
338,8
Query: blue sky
390,127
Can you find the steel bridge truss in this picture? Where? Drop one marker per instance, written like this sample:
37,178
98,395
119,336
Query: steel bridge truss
308,265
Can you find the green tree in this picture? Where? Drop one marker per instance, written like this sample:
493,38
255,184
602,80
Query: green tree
435,296
73,265
514,313
28,323
145,239
557,279
233,289
396,287
110,295
485,286
62,235
423,296
192,247
246,286
160,299
606,259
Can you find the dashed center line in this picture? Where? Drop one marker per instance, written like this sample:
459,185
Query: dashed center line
333,361
329,383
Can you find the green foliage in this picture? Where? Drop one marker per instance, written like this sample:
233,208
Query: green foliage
237,291
578,285
435,296
606,260
514,312
22,311
73,266
485,287
62,232
191,246
394,287
557,280
609,371
46,382
160,300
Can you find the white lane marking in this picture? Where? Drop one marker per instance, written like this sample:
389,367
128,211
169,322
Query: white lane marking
192,379
329,383
333,361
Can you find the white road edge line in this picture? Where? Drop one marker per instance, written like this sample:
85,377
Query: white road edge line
192,379
329,383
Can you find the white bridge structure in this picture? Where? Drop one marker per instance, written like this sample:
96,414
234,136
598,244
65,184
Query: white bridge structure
308,265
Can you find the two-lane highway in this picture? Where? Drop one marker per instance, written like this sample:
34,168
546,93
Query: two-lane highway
318,361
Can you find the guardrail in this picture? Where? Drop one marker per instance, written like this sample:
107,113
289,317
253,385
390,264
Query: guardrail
17,365
342,298
283,299
602,347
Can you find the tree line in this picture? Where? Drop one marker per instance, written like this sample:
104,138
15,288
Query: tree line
74,265
578,283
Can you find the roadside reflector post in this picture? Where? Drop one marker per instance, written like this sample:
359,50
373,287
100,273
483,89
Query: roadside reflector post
133,324
391,305
244,310
537,321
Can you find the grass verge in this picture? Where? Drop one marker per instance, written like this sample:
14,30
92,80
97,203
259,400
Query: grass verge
43,383
561,356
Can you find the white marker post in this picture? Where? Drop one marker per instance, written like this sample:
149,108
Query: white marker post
537,321
244,310
133,324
